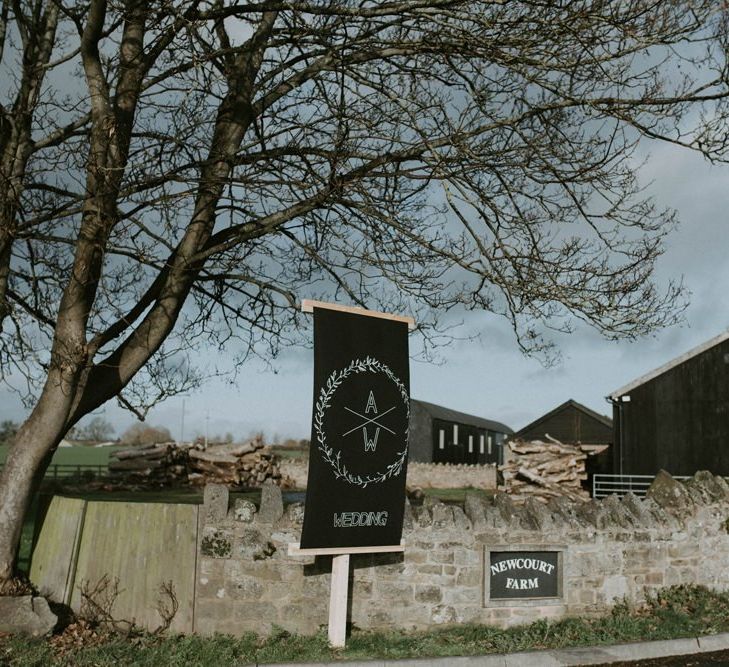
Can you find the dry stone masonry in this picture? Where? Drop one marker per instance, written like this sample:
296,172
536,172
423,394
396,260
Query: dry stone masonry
604,551
493,562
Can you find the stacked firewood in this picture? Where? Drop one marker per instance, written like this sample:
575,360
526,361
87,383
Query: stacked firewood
543,470
248,464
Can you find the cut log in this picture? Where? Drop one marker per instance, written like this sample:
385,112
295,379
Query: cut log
213,457
543,470
250,464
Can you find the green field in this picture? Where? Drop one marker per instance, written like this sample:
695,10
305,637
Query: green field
291,453
76,455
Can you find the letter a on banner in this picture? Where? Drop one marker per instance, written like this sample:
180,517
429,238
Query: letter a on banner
355,495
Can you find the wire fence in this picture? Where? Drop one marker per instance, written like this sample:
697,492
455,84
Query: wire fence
74,471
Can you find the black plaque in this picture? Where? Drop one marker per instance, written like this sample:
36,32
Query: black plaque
523,574
355,493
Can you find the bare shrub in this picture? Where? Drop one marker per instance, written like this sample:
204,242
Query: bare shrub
98,601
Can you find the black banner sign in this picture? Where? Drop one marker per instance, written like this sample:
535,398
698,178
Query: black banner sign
355,494
523,574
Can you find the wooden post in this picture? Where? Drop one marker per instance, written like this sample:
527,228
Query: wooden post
338,601
338,593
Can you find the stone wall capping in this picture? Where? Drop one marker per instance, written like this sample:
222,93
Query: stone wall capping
721,484
442,516
215,502
408,520
616,514
429,502
563,512
474,507
460,521
671,495
492,517
272,509
704,488
508,510
590,513
422,516
637,509
660,515
535,515
294,514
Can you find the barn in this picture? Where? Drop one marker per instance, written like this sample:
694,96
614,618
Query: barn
442,435
574,423
571,423
677,416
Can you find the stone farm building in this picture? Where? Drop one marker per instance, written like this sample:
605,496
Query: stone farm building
676,417
442,435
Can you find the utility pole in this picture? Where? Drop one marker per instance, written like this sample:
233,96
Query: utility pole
182,423
207,420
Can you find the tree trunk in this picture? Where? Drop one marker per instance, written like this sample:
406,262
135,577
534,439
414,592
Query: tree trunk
25,466
69,394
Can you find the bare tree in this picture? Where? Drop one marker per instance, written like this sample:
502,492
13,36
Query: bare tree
143,434
97,429
176,173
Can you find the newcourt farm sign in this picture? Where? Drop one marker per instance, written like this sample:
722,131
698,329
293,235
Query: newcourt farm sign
523,575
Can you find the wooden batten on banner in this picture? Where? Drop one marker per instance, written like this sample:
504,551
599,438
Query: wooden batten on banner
308,305
296,550
341,555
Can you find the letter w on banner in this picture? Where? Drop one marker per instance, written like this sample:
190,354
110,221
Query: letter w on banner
359,435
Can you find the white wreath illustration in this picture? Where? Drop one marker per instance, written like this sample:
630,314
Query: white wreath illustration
334,459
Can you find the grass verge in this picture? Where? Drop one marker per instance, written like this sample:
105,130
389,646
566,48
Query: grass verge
680,611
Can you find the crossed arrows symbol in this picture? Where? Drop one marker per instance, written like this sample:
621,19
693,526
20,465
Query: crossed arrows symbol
369,420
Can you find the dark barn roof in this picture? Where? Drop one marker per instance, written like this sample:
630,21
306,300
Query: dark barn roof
700,349
446,414
567,422
675,417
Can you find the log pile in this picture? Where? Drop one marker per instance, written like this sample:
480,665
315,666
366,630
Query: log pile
543,470
247,465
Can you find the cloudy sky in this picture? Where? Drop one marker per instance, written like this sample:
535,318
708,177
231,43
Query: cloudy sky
489,377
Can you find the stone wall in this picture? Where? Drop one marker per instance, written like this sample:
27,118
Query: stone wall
610,550
424,475
231,568
450,476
